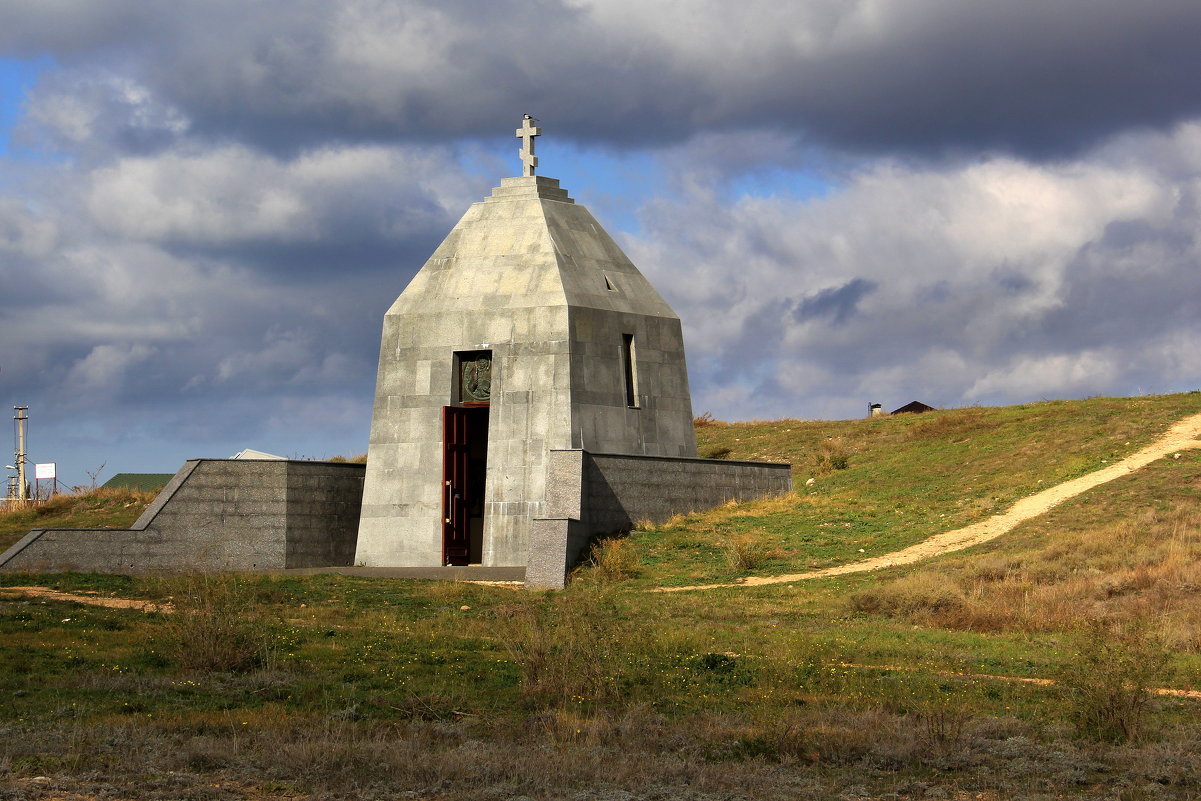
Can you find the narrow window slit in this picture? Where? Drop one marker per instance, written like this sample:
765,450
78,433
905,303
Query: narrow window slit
627,363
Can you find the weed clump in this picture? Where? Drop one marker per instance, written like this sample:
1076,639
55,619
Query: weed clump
1107,682
580,650
916,596
745,552
610,560
216,626
831,456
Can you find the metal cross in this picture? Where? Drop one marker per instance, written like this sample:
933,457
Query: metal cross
526,134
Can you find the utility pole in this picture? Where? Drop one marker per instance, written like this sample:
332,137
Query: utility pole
20,418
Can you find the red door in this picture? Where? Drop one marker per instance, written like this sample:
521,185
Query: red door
456,527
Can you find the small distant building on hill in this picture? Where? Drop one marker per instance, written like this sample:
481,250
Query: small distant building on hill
142,482
914,407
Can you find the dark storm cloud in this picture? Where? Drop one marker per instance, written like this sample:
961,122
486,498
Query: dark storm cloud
1027,76
836,304
1031,77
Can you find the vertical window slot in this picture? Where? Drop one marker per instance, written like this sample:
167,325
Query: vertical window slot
631,374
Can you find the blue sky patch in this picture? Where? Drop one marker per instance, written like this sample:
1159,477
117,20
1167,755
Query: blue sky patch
17,77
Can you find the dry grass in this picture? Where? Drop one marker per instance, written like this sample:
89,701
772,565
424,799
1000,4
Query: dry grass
611,559
924,594
570,651
745,552
1107,680
99,508
951,425
1120,558
831,455
807,752
69,505
217,625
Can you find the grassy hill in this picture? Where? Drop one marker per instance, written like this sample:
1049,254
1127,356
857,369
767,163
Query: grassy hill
932,680
884,483
100,508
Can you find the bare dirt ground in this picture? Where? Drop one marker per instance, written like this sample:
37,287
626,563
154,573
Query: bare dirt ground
88,599
1185,434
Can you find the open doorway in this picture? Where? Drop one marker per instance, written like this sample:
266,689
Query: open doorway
465,460
464,471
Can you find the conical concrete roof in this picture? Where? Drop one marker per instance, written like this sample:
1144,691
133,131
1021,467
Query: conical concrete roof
529,244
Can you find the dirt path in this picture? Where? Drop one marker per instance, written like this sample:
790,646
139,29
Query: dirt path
1181,436
89,599
1194,695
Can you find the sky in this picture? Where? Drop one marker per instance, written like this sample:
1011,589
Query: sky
206,206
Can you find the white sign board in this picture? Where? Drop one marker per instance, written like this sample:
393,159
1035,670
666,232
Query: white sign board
43,470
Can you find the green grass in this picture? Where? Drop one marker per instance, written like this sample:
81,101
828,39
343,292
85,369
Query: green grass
100,508
364,687
907,477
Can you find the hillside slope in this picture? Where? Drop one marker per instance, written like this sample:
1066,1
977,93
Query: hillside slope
100,508
883,484
1015,669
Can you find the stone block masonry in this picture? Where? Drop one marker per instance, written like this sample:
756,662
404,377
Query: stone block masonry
583,353
600,493
218,514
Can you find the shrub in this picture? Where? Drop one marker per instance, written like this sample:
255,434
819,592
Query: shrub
1107,682
580,650
716,453
745,552
914,595
216,625
829,457
612,559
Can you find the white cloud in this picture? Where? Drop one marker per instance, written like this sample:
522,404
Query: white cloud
1055,376
24,233
104,369
288,356
232,194
989,281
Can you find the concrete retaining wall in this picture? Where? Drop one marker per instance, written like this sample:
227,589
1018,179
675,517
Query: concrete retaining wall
218,514
600,493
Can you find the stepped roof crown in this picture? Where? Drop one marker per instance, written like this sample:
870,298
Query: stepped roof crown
529,244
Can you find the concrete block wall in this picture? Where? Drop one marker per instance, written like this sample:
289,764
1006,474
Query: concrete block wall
218,514
600,493
322,509
620,490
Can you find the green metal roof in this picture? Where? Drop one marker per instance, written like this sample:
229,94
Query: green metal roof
138,481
